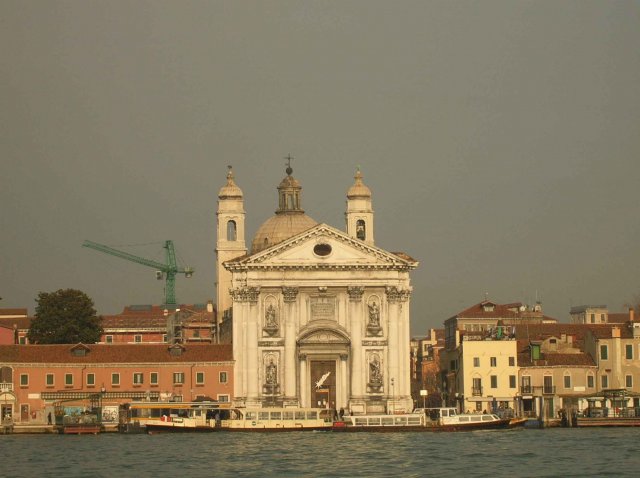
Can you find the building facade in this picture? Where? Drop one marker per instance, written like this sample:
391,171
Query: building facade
320,317
34,378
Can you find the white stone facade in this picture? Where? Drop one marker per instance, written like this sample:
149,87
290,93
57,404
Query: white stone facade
322,319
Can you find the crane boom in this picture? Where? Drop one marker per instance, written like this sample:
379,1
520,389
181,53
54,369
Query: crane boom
169,269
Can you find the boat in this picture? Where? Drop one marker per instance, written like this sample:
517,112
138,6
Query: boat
173,416
277,419
425,419
85,424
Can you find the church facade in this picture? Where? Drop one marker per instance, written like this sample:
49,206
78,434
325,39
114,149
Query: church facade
320,317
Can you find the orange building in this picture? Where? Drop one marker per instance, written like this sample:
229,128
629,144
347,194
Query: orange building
157,324
35,378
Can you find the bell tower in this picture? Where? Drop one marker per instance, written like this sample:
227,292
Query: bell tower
230,241
359,213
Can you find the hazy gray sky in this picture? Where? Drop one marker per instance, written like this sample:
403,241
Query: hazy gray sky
500,140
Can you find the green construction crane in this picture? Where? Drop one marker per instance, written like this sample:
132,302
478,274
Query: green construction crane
168,270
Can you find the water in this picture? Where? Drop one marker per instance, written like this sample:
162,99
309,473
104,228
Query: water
539,453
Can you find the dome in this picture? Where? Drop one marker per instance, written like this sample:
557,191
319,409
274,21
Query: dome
290,218
279,228
230,190
359,189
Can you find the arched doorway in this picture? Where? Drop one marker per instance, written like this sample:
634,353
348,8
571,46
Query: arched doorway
323,373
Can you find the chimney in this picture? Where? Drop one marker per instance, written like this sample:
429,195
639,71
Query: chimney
210,306
631,314
432,335
615,332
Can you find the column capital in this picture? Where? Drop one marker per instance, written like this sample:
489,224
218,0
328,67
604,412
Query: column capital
397,295
245,294
355,292
344,357
290,294
302,356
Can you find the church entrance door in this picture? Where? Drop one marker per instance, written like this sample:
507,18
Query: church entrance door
323,392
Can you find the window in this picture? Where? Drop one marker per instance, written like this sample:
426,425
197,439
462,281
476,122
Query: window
153,378
593,318
590,382
68,379
604,352
628,381
494,381
91,379
476,361
629,351
115,379
361,230
223,398
164,338
512,361
602,319
605,381
108,339
199,378
49,380
137,338
512,381
231,231
178,377
223,377
494,361
24,380
196,334
567,381
22,340
138,378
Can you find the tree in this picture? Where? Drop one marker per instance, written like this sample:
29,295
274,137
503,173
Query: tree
65,316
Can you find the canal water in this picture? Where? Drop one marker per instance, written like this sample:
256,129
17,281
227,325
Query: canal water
515,453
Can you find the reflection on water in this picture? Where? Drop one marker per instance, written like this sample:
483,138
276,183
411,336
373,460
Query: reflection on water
554,452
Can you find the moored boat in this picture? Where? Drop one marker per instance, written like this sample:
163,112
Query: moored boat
174,416
425,419
278,419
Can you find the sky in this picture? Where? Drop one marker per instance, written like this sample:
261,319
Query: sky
500,140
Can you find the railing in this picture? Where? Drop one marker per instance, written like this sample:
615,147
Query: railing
526,389
6,387
548,390
476,391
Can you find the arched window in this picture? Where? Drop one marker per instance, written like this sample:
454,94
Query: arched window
231,231
361,232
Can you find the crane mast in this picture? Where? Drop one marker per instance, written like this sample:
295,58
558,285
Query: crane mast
168,270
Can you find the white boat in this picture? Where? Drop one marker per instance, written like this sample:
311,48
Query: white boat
176,416
423,419
277,419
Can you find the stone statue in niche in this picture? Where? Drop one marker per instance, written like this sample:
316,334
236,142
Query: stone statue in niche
271,373
373,326
374,314
375,373
271,321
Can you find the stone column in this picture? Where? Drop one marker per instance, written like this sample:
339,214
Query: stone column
404,337
290,295
355,319
253,363
239,379
304,401
343,400
394,349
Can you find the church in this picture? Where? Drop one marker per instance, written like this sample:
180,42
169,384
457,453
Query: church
319,316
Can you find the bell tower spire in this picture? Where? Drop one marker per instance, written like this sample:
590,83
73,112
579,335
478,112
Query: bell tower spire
230,240
359,215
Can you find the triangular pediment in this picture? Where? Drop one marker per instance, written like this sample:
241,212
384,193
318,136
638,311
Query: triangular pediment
324,247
